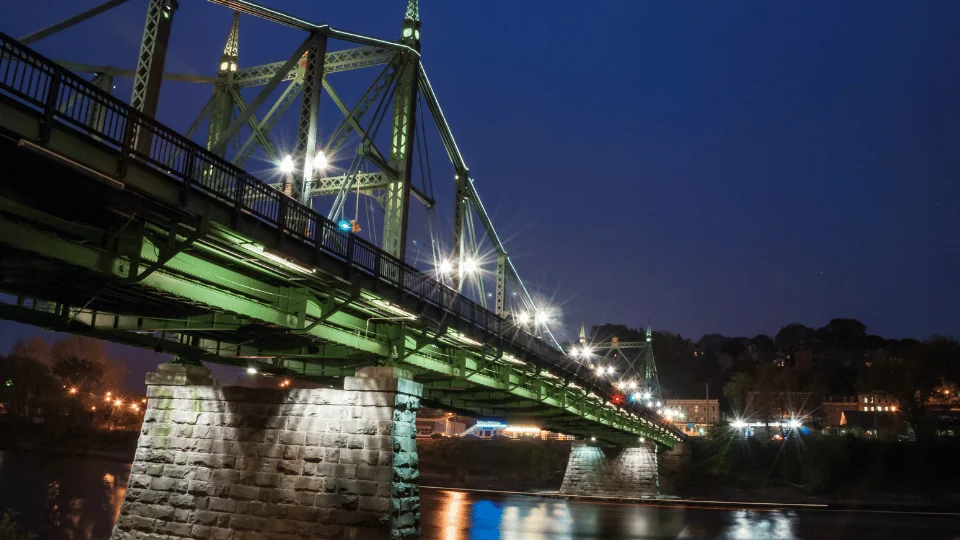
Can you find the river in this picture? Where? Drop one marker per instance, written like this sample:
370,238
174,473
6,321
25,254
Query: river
78,499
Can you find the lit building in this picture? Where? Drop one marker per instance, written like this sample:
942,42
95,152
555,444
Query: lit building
833,408
486,429
697,415
446,426
876,401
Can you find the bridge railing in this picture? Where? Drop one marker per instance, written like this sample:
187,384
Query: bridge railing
61,96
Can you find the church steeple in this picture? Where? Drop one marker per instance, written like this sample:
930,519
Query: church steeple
583,335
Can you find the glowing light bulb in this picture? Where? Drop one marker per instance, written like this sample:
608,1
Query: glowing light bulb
320,161
286,165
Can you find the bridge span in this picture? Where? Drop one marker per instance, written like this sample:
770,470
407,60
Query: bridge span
114,226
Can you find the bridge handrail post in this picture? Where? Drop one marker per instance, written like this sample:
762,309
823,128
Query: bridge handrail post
282,201
238,203
50,106
351,246
126,147
189,167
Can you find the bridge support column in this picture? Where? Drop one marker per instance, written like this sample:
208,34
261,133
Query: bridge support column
675,466
628,472
256,463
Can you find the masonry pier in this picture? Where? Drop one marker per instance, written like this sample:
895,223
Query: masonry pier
231,462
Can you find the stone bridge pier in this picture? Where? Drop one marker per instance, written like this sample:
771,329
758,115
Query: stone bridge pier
624,472
244,463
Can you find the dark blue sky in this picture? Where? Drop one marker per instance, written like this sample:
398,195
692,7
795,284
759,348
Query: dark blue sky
713,166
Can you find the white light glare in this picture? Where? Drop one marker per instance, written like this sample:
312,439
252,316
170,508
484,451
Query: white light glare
445,267
543,316
794,423
610,370
646,395
286,165
469,266
739,424
320,161
251,370
523,318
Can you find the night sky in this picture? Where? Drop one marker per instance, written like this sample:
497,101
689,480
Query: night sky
711,166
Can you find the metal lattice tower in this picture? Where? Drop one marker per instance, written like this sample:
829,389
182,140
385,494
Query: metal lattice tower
221,110
637,367
397,203
153,55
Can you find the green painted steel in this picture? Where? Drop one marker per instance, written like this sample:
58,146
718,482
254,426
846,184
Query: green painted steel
178,250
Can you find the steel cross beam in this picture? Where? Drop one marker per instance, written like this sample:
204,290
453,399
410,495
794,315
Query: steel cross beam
334,62
72,21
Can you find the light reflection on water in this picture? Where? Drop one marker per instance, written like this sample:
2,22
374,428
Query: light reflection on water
457,515
63,498
79,499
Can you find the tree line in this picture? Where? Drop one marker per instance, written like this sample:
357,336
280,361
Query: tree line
839,359
69,384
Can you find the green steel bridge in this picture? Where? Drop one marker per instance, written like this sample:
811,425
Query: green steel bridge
115,226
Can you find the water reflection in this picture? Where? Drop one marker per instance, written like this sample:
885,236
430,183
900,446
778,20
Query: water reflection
456,515
63,498
79,499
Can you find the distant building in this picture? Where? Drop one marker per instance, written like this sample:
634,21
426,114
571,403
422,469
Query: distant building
699,415
876,401
447,426
833,408
870,424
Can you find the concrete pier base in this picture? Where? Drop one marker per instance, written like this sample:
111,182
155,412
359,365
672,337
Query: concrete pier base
244,463
627,472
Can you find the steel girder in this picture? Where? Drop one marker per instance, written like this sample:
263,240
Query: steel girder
153,55
202,283
334,62
306,147
397,202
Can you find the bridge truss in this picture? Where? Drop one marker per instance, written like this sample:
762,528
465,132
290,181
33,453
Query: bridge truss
166,243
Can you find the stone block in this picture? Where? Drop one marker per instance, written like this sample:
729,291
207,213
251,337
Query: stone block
246,463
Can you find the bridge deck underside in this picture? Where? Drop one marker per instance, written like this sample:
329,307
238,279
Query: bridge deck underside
138,258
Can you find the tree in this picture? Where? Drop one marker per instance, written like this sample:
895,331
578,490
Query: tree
843,335
764,347
737,390
87,354
795,336
25,384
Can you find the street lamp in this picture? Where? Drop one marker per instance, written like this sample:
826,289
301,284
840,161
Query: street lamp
286,164
320,161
